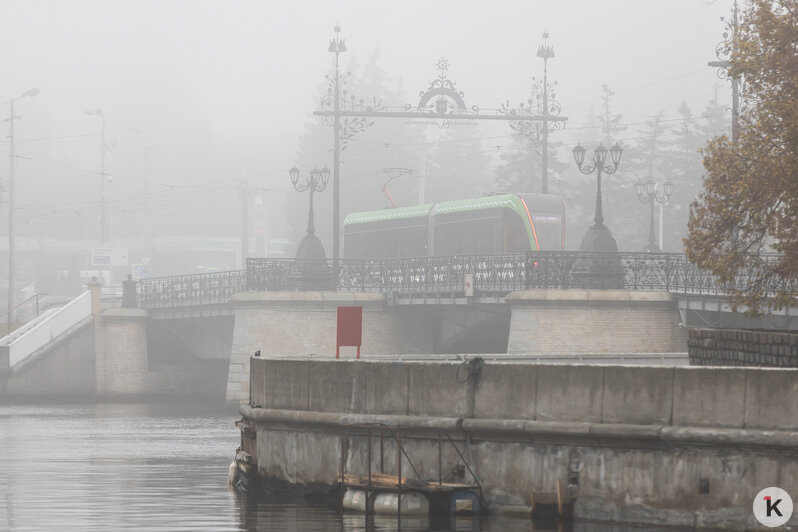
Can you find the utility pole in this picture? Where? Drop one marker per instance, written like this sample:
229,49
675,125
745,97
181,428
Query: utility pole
104,225
147,213
12,246
244,221
12,206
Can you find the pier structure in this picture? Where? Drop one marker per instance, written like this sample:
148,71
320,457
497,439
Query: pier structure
681,446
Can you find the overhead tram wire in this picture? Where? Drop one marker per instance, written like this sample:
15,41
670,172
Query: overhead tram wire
387,145
640,87
62,217
487,150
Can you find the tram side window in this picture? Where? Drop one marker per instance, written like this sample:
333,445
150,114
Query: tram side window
387,241
467,237
516,238
549,231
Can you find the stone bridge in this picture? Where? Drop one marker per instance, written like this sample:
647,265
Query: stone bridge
187,332
556,303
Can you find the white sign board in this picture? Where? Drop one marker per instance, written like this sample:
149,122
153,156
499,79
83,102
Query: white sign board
109,256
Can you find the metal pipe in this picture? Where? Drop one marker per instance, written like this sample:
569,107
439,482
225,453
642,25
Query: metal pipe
399,452
440,461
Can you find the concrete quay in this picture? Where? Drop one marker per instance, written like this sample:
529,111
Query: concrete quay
684,446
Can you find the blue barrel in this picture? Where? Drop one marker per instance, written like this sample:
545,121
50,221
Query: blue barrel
464,502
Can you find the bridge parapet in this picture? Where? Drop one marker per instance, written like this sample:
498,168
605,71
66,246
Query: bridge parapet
191,290
488,275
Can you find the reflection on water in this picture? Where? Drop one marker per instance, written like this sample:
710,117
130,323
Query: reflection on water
154,467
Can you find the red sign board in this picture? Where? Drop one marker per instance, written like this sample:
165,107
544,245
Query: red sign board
350,328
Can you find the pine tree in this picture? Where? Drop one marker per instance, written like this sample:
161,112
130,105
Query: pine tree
458,165
387,143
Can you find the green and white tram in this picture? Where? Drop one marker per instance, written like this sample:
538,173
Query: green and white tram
503,223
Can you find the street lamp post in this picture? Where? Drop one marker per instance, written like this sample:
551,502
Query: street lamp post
545,52
12,250
337,46
598,237
104,229
648,192
316,181
312,267
724,50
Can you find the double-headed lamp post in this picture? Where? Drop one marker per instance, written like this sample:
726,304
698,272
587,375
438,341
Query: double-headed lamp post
315,182
598,237
12,250
648,192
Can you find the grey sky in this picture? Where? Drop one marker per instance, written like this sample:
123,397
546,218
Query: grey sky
222,89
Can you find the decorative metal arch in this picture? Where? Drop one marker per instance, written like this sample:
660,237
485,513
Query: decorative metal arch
444,89
349,116
441,100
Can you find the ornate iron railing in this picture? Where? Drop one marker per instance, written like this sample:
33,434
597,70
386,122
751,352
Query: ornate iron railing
492,275
191,290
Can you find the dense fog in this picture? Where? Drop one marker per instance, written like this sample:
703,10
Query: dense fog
206,105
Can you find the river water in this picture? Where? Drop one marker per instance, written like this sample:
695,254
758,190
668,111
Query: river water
155,467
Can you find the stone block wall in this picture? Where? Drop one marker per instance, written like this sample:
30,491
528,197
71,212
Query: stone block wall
736,347
122,368
301,324
594,321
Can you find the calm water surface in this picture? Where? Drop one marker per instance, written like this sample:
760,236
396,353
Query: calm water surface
152,467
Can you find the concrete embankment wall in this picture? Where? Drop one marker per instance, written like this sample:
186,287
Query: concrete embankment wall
739,347
684,446
63,369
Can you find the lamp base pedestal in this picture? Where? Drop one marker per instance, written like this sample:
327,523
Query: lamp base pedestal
313,269
604,270
599,239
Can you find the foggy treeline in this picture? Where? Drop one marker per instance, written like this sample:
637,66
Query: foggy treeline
466,159
205,106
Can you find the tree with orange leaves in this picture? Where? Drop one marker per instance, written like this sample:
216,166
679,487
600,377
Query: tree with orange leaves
744,225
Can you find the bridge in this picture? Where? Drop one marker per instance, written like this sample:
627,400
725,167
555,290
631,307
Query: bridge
192,332
441,277
455,280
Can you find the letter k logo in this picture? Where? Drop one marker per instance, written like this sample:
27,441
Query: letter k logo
772,506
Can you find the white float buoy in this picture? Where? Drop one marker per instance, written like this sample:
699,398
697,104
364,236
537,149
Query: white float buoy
354,500
232,475
413,503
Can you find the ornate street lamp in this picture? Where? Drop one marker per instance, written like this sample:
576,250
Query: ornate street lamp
312,265
315,182
598,237
648,192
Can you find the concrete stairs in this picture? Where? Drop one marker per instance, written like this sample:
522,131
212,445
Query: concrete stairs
39,335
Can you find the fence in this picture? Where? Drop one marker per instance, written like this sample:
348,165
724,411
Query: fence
494,275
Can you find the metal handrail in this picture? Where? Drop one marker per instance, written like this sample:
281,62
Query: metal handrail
35,296
492,276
